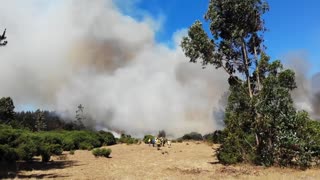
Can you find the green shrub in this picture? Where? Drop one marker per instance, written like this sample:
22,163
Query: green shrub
193,136
72,152
127,139
86,137
68,144
146,138
27,150
106,138
7,153
55,149
52,138
102,152
217,137
24,145
237,148
85,146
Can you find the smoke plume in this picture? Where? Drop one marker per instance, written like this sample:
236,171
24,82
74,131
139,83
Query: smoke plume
307,95
69,52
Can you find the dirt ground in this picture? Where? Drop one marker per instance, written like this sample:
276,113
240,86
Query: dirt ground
187,160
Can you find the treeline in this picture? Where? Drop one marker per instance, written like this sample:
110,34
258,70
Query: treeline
39,120
51,121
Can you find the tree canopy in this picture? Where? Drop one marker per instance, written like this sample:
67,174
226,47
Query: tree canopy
261,124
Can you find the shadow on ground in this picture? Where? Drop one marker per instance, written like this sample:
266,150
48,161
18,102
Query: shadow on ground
14,169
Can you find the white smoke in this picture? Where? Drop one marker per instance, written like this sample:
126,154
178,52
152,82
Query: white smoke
68,52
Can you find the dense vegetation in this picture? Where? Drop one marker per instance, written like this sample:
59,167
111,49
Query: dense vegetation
217,137
127,139
261,124
24,135
192,136
18,144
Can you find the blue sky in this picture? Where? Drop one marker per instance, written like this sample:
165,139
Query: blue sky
293,25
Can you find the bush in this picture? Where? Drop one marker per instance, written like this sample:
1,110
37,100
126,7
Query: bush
8,154
68,144
85,146
237,148
86,137
217,137
16,144
107,138
127,139
72,152
55,149
146,138
192,136
103,152
27,150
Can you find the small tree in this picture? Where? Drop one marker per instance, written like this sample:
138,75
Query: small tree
40,123
3,38
6,110
80,117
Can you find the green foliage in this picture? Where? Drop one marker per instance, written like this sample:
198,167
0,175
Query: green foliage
107,138
192,136
40,124
102,152
237,147
147,137
6,110
8,153
16,144
81,140
127,139
72,152
262,125
217,137
85,146
68,144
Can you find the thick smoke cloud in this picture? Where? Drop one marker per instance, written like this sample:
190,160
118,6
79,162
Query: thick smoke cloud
307,95
63,53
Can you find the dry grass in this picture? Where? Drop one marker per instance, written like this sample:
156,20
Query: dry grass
181,161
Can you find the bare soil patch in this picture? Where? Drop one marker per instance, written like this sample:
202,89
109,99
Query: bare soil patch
181,161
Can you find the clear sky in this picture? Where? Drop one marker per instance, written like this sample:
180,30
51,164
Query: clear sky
293,25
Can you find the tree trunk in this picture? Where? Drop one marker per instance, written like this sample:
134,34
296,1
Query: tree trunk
257,68
246,64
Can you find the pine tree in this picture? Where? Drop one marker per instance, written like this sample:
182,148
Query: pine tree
40,123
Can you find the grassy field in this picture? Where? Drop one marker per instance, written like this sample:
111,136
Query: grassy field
187,160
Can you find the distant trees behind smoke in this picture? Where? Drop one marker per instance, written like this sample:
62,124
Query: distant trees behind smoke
39,120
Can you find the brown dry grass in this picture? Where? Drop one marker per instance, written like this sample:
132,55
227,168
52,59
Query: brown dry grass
181,161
